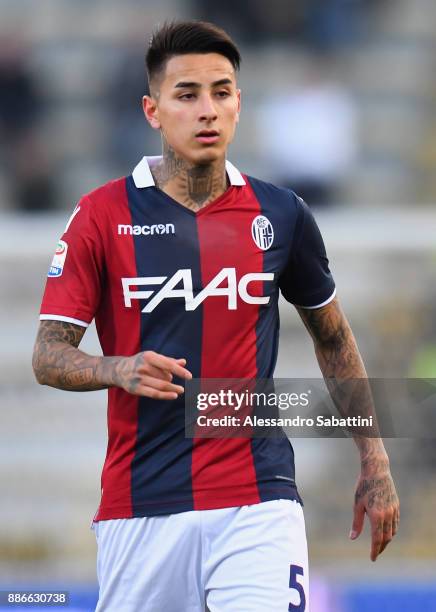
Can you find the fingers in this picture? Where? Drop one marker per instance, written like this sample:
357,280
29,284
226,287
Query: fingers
383,529
154,376
156,388
387,535
145,391
162,385
376,495
376,537
396,522
357,526
167,364
157,373
150,374
390,528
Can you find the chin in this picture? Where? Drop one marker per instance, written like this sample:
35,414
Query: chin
207,155
201,155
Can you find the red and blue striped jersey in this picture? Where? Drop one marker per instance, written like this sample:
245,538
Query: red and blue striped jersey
201,285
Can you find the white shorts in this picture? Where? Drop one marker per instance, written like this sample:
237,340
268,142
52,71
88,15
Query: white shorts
244,559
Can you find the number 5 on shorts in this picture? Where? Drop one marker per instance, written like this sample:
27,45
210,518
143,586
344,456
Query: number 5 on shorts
296,570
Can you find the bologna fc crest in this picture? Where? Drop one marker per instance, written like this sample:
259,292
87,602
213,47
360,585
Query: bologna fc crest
262,232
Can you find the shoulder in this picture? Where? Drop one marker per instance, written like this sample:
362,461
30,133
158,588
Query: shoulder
106,194
277,198
94,208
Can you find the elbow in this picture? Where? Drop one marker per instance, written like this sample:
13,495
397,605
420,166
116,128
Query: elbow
38,370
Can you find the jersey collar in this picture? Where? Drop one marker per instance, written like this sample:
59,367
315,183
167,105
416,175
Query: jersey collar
143,177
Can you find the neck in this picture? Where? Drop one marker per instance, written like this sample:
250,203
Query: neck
194,186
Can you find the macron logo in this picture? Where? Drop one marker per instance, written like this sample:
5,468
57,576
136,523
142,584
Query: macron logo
146,230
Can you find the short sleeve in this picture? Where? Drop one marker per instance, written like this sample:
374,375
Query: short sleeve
73,288
306,280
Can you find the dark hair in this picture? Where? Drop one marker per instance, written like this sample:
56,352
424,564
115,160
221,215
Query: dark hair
183,37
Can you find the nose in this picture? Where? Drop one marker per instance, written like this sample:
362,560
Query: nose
207,109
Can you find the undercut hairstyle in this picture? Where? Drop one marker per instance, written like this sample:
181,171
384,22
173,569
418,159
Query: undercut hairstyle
184,37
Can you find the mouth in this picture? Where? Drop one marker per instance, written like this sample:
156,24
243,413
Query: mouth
207,136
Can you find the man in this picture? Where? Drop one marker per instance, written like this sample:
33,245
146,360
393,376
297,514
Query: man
181,265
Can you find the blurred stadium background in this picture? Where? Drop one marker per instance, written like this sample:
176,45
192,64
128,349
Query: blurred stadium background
339,102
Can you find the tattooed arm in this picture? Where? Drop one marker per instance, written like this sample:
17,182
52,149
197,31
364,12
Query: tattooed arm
339,359
58,362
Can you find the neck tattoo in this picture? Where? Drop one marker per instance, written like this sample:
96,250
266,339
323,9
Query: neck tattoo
192,186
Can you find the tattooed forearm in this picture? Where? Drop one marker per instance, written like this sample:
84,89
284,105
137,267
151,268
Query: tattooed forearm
335,346
58,362
346,379
343,370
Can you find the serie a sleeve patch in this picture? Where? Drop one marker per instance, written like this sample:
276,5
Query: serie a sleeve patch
58,262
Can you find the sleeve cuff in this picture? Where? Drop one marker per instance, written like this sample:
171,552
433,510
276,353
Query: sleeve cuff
55,317
327,301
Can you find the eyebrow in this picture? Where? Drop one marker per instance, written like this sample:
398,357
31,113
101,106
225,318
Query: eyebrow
194,85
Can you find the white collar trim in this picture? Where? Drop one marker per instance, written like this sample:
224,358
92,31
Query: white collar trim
143,177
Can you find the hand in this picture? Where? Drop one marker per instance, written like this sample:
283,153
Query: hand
150,374
376,495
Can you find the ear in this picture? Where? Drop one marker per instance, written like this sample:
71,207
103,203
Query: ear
151,112
238,95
